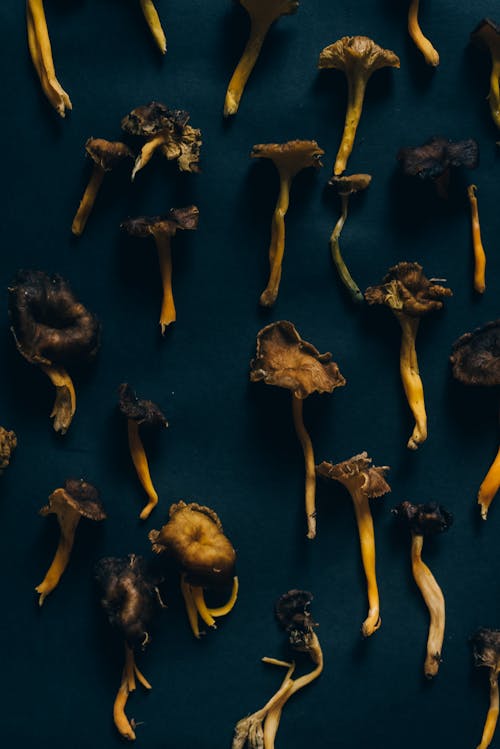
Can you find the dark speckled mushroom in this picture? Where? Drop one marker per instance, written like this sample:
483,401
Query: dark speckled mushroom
486,652
8,443
436,157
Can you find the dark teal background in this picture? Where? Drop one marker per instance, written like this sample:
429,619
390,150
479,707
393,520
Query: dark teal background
230,444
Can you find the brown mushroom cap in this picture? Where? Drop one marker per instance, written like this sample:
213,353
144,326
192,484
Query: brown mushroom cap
8,443
290,157
168,224
357,473
487,34
475,357
437,155
142,411
486,648
292,612
406,289
284,359
269,9
424,519
358,55
350,183
77,495
107,154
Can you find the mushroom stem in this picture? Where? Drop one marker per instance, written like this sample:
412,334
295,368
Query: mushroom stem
201,606
147,152
191,609
277,245
494,94
355,98
367,543
154,23
342,269
141,466
223,610
64,406
434,600
492,716
130,671
258,31
489,487
412,383
430,54
310,480
88,200
196,606
477,244
61,557
167,314
53,96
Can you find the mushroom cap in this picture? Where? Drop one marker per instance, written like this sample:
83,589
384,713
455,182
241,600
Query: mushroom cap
150,119
49,324
194,537
292,613
167,224
282,358
290,157
142,411
358,55
78,495
357,473
424,519
437,155
487,34
486,648
405,289
107,154
350,183
270,9
475,357
8,443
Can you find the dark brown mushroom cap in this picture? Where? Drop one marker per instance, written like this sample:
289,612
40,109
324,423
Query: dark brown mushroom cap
357,55
142,411
436,156
486,648
291,157
292,612
194,537
284,359
407,290
350,183
78,495
269,9
168,224
487,34
107,154
49,324
475,357
424,519
152,118
357,473
8,443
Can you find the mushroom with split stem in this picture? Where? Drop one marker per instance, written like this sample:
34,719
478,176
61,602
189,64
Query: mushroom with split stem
427,520
358,57
258,730
363,482
285,360
486,652
8,443
130,598
487,35
289,159
195,539
140,412
263,13
154,24
75,500
430,54
409,294
52,329
162,229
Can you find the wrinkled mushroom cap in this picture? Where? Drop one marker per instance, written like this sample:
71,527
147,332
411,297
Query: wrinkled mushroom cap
405,289
475,357
424,519
107,154
292,612
8,443
357,473
269,9
486,648
350,183
168,224
142,411
357,55
77,495
487,34
194,537
291,157
437,155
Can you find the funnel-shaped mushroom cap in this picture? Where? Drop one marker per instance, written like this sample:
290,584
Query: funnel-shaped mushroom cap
107,154
357,473
8,443
358,55
176,218
425,519
291,157
292,612
350,183
141,411
406,289
194,537
437,155
77,495
487,34
475,357
486,648
284,359
269,10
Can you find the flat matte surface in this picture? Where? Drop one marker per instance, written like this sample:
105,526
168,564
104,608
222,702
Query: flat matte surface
231,444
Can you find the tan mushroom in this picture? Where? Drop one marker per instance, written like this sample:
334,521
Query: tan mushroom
486,653
8,443
431,55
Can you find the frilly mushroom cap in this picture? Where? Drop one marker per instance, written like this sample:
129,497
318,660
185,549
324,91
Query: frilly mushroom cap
424,519
107,154
142,411
269,9
292,612
284,359
486,648
350,183
475,357
487,34
436,156
291,157
152,118
168,224
49,324
77,495
8,443
357,473
357,54
194,537
405,289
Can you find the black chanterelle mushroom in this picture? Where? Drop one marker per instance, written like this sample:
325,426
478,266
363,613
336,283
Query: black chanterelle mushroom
435,159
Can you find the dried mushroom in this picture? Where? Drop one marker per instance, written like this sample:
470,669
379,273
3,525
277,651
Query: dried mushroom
410,295
487,35
77,499
427,520
285,360
436,157
358,57
154,24
430,54
195,539
8,443
486,652
162,229
289,159
263,13
363,482
52,329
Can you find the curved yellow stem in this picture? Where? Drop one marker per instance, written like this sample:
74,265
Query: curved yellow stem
61,557
342,268
430,54
310,480
88,200
355,99
492,717
127,685
477,244
223,610
258,32
168,314
489,487
141,466
434,600
147,152
191,609
277,245
64,406
201,606
367,543
154,23
410,377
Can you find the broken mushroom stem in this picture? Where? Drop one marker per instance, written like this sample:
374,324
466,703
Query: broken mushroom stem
489,487
430,54
477,244
65,403
310,469
492,715
154,23
141,466
434,600
127,685
410,377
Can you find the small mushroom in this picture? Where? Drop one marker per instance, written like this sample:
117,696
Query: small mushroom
409,294
8,443
77,499
52,329
263,13
427,520
486,652
430,54
475,360
162,229
487,35
477,243
285,360
140,412
289,159
130,598
154,23
195,539
166,130
363,482
358,57
106,155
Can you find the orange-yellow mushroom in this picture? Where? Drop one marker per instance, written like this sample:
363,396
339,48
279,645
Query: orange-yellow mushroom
430,54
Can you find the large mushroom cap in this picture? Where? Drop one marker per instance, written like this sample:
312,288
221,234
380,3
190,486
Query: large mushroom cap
357,472
486,648
357,54
290,157
292,612
77,495
424,519
487,34
284,359
8,443
270,9
406,289
168,224
350,183
437,155
475,357
136,409
107,154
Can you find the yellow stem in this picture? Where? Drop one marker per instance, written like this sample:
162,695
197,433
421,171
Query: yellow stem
342,269
258,31
277,245
430,54
367,543
147,152
191,609
36,11
88,200
167,315
223,610
434,600
310,480
141,466
355,98
154,23
477,244
61,557
410,377
64,406
492,717
489,487
127,685
494,94
201,606
53,96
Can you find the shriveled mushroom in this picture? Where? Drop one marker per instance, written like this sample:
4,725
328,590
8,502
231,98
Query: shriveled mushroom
475,360
140,412
106,155
195,539
162,229
52,329
285,360
77,499
130,598
166,130
427,520
289,159
410,295
8,443
363,482
258,730
345,187
358,57
430,54
154,23
486,652
487,35
263,13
